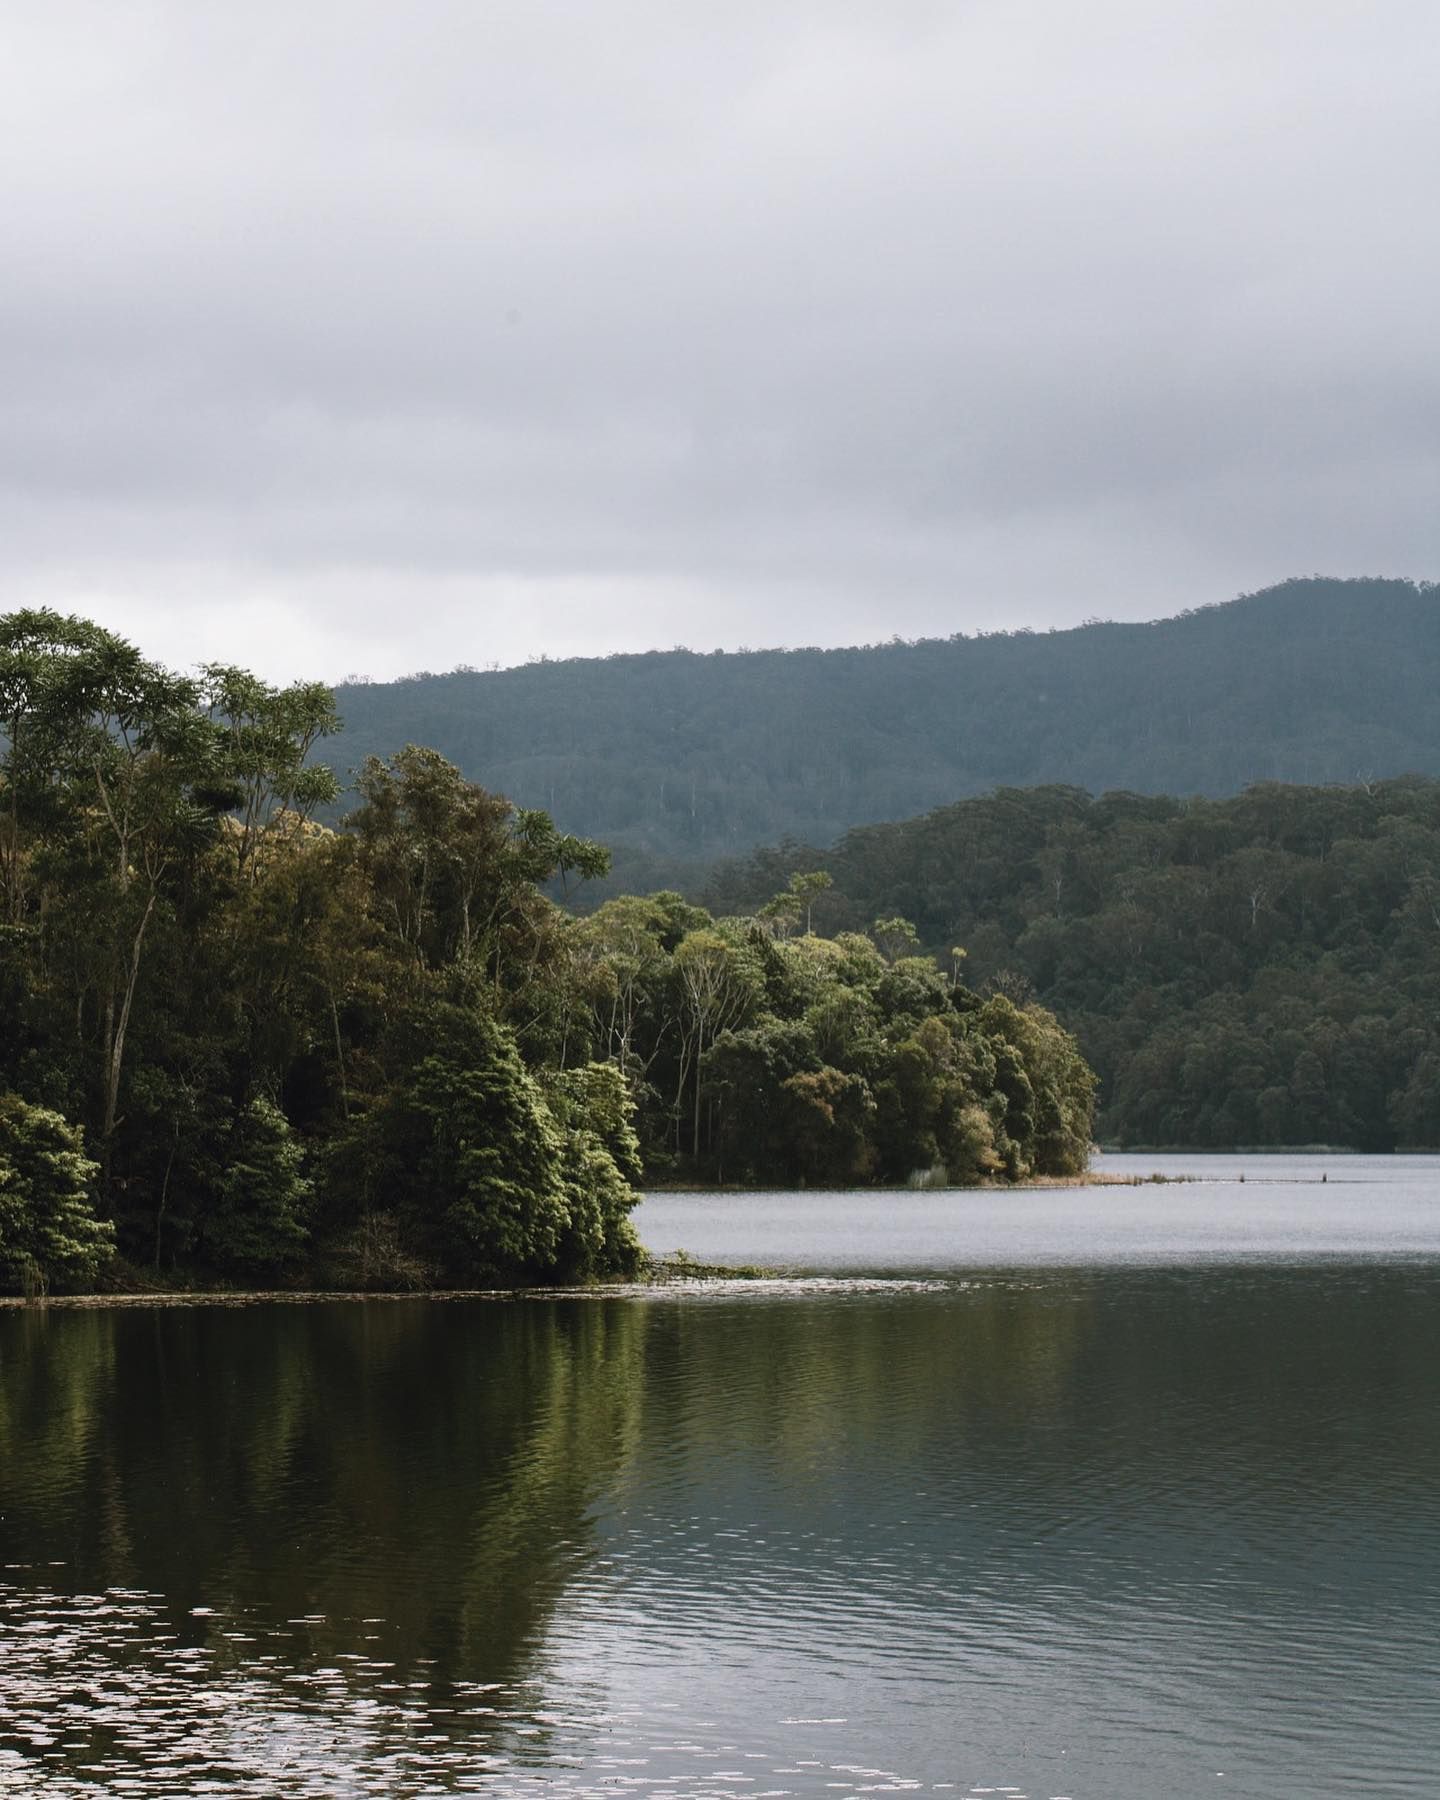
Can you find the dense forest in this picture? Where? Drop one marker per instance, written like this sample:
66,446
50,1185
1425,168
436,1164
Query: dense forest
239,1044
762,1052
675,756
1261,970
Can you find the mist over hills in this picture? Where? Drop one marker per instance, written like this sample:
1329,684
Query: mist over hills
689,756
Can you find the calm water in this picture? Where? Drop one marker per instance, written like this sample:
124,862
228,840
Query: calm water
1115,1495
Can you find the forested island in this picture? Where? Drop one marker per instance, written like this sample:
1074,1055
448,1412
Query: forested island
1261,970
241,1045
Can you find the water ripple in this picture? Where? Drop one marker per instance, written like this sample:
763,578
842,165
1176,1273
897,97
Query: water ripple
1112,1534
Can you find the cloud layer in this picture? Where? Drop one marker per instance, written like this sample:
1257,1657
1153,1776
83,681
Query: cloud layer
360,337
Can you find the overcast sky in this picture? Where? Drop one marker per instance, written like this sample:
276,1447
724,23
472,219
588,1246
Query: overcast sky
346,336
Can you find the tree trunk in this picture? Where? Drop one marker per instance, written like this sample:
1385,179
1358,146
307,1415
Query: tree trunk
165,1196
116,1030
339,1055
699,1052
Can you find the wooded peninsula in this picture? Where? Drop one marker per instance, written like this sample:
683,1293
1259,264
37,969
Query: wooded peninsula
240,1044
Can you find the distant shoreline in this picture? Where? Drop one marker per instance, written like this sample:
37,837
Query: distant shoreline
1089,1178
1259,1150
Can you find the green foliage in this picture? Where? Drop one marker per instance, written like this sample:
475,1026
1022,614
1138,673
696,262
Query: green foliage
240,1006
475,1155
49,1235
595,1098
268,735
257,1220
939,1107
383,1051
1263,970
496,1174
797,1061
748,1071
827,1116
600,1152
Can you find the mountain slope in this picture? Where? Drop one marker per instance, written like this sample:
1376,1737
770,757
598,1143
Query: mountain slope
683,755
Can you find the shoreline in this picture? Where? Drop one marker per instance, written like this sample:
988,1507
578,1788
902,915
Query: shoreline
675,1270
1031,1183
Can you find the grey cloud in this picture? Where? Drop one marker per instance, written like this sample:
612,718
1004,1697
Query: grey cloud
371,336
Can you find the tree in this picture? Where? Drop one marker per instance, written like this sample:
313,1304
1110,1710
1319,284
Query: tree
746,1071
276,1033
49,1234
829,1115
781,915
39,651
257,1219
600,1154
457,869
267,736
718,990
386,1052
1047,1089
111,756
472,1150
808,888
628,933
437,849
896,937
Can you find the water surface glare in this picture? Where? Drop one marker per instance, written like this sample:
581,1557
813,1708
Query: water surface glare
1087,1520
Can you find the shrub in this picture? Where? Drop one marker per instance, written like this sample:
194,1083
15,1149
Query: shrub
49,1235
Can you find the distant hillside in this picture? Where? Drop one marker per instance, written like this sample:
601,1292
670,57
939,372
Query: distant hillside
681,755
1258,970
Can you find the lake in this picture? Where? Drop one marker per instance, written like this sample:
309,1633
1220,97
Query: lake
1114,1494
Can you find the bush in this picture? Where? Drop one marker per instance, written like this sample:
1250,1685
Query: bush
257,1218
49,1235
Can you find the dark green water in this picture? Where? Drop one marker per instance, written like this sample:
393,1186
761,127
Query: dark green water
1111,1532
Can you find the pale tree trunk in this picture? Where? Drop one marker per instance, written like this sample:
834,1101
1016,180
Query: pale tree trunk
116,1029
339,1053
165,1193
680,1091
699,1052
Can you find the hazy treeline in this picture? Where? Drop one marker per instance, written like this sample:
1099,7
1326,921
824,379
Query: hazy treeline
242,1043
1258,970
673,755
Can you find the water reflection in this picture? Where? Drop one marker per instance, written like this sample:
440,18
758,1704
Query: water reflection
1087,1533
322,1465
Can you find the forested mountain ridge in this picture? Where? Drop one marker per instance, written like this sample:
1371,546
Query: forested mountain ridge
1263,969
682,755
